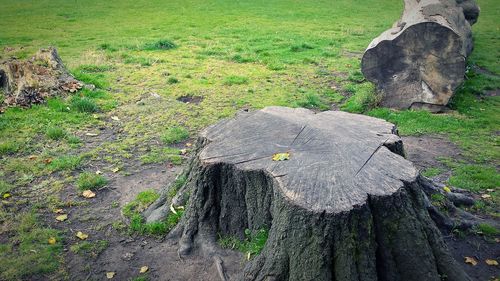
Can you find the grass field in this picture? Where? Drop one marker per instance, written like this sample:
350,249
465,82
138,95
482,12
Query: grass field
147,57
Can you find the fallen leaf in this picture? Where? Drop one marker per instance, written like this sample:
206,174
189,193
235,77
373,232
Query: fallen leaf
58,211
6,195
91,134
173,209
115,170
446,189
110,275
248,255
183,151
52,240
281,156
32,157
490,190
471,261
62,217
486,196
95,116
491,262
144,269
47,161
115,118
98,172
88,194
189,144
82,235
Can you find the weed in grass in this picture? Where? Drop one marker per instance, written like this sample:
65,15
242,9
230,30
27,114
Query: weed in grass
90,181
301,47
174,135
163,44
67,162
252,245
487,229
235,80
89,248
83,104
9,147
55,133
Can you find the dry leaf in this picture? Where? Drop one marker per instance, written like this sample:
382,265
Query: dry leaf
446,189
52,240
110,275
82,235
62,217
189,144
144,269
115,118
471,261
98,172
248,255
485,196
6,195
58,211
91,134
32,157
183,151
281,156
115,170
47,161
173,209
491,262
88,194
490,190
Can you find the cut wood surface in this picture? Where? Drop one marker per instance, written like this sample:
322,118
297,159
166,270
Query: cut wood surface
421,60
345,205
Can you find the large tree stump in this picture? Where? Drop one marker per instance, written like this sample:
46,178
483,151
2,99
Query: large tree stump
421,60
346,205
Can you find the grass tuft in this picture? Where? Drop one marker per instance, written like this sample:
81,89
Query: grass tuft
163,44
56,133
90,181
252,245
84,104
235,80
174,135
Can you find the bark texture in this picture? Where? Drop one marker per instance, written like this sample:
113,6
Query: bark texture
346,205
30,82
421,60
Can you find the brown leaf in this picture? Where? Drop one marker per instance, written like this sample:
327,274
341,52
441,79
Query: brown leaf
47,161
88,194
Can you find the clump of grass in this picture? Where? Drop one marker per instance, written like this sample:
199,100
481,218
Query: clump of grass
252,245
240,59
161,155
301,47
179,182
356,76
84,104
9,147
432,172
172,80
363,98
5,187
55,133
311,100
475,177
91,249
174,135
163,44
97,79
67,162
487,229
90,181
132,210
73,139
106,47
235,80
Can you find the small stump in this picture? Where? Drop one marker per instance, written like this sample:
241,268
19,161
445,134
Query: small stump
345,205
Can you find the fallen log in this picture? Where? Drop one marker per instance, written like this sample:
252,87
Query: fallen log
339,200
421,60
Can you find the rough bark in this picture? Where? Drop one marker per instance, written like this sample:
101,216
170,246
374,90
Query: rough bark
24,83
421,60
345,206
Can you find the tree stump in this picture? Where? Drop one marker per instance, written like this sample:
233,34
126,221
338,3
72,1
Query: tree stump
421,60
23,83
345,205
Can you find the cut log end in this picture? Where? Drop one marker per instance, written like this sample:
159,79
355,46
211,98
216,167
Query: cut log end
345,205
421,61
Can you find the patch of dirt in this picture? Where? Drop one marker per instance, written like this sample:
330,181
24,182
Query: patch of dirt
126,254
425,151
190,99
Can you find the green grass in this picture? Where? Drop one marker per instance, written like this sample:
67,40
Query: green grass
252,245
5,187
90,181
174,135
84,104
26,251
475,177
90,249
235,80
163,44
431,172
487,229
62,163
8,147
133,209
159,155
55,133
